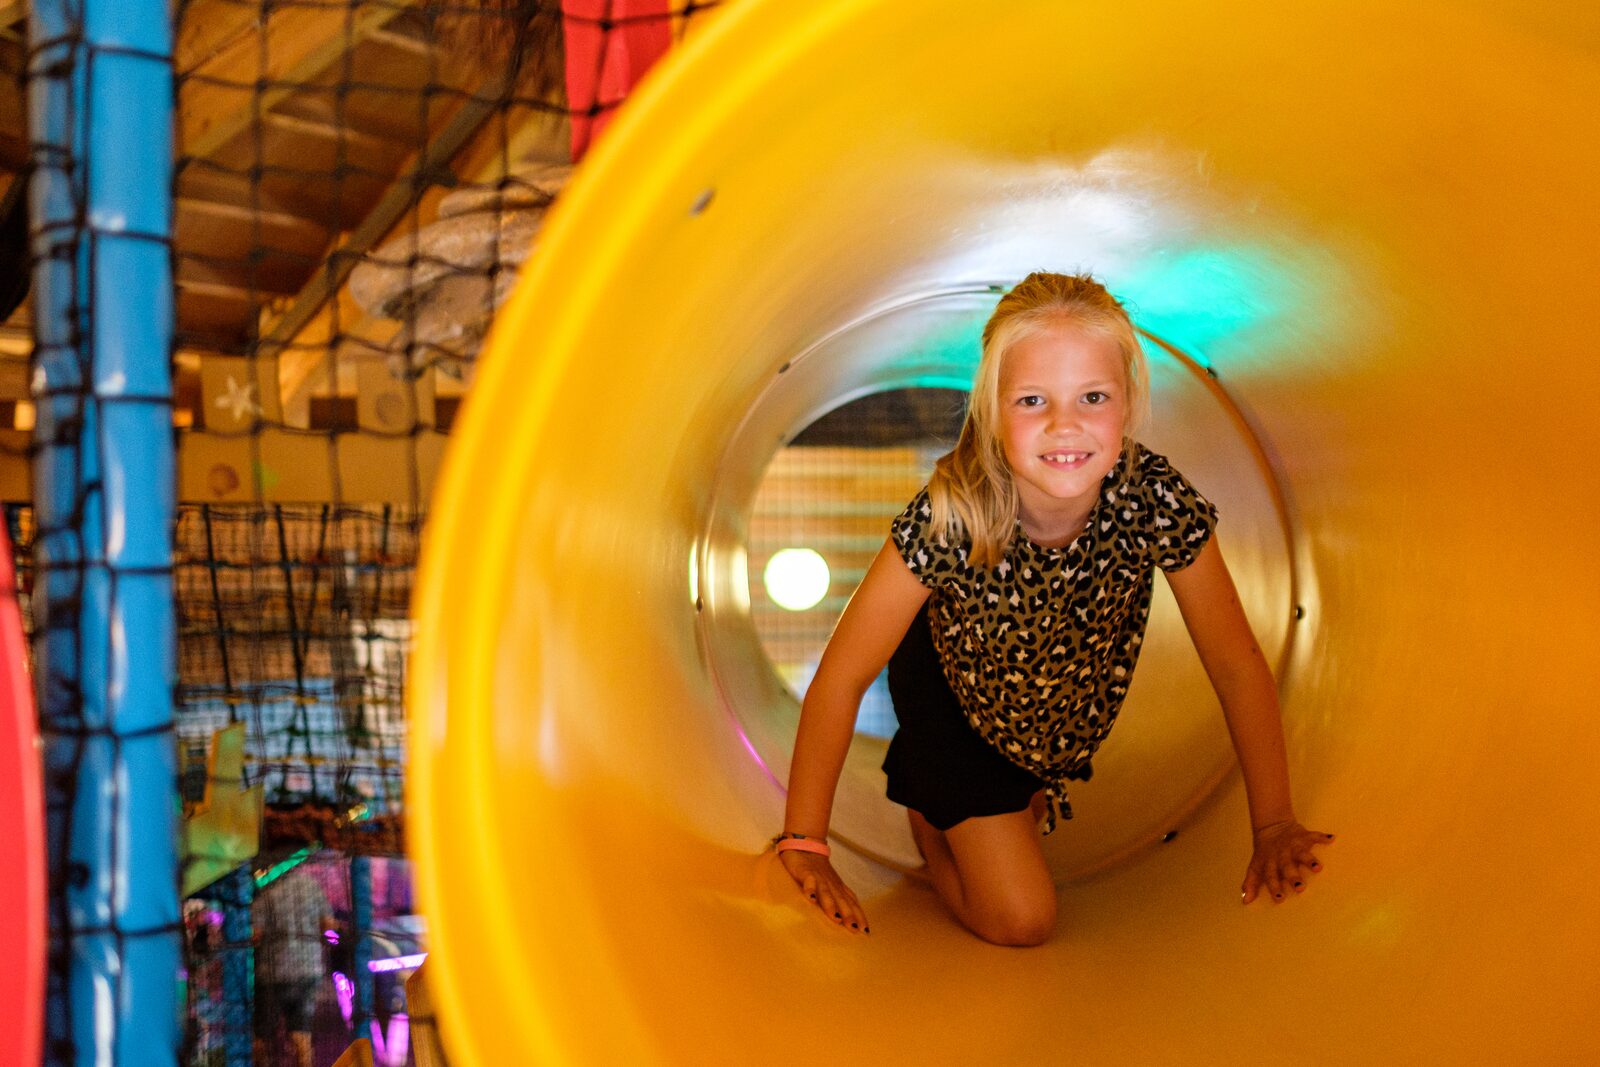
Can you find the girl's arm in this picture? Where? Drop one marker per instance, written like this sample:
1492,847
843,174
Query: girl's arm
1239,673
871,628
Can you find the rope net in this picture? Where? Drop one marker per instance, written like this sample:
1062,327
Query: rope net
357,185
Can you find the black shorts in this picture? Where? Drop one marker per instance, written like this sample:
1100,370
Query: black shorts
937,763
290,1004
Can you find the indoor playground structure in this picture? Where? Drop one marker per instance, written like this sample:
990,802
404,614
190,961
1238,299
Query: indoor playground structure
1360,240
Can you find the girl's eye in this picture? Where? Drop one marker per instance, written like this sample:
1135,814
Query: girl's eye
1095,398
1030,401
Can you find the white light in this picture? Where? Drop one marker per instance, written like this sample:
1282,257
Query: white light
796,578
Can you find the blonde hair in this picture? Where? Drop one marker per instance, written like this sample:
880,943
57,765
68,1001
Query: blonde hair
972,492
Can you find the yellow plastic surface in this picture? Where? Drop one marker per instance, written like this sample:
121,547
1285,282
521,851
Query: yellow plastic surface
1376,222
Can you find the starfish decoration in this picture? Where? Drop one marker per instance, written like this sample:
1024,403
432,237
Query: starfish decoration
240,400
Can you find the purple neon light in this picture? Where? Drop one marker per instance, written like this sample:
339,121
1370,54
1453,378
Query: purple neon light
345,991
396,963
391,1050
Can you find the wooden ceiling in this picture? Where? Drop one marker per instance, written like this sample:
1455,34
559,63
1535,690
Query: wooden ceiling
308,134
16,339
13,141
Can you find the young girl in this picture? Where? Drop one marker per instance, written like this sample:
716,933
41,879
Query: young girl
1009,604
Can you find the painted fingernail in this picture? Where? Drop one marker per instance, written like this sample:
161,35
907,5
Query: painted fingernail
869,929
1299,885
836,915
855,926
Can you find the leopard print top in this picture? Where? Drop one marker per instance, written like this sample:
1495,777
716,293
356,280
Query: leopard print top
1040,648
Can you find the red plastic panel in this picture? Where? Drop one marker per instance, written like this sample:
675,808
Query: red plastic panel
22,890
610,44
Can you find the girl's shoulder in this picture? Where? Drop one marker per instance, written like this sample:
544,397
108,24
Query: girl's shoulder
1148,465
1152,472
1174,518
928,553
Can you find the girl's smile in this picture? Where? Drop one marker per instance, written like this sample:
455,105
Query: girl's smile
1063,411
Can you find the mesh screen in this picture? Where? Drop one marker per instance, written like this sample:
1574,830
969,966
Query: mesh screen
357,186
834,491
292,619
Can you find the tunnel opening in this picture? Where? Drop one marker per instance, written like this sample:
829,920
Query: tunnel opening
838,440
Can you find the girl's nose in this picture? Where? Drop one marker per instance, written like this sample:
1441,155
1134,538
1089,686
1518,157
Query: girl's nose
1062,421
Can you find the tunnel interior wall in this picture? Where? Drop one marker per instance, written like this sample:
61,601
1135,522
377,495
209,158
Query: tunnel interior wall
1376,227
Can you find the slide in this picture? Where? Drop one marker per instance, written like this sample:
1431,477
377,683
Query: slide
1363,241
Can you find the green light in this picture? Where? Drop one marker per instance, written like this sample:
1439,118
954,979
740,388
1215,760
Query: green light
284,866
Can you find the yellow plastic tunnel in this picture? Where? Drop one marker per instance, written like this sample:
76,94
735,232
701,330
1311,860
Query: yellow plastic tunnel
1364,241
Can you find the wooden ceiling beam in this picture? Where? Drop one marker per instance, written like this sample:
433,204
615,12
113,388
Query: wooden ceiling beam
16,342
403,42
481,160
329,131
247,214
217,99
211,184
307,317
14,149
209,27
216,280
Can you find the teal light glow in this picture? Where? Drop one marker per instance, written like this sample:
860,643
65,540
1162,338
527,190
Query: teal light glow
954,349
941,350
1200,299
796,578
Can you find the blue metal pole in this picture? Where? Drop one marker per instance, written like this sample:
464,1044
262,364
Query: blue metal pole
238,891
100,102
361,928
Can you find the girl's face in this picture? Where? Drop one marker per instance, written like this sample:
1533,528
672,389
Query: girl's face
1063,409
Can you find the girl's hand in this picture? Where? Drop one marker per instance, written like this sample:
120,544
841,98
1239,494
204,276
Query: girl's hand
818,881
1283,860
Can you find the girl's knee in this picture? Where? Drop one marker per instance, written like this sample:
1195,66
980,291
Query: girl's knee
1019,924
